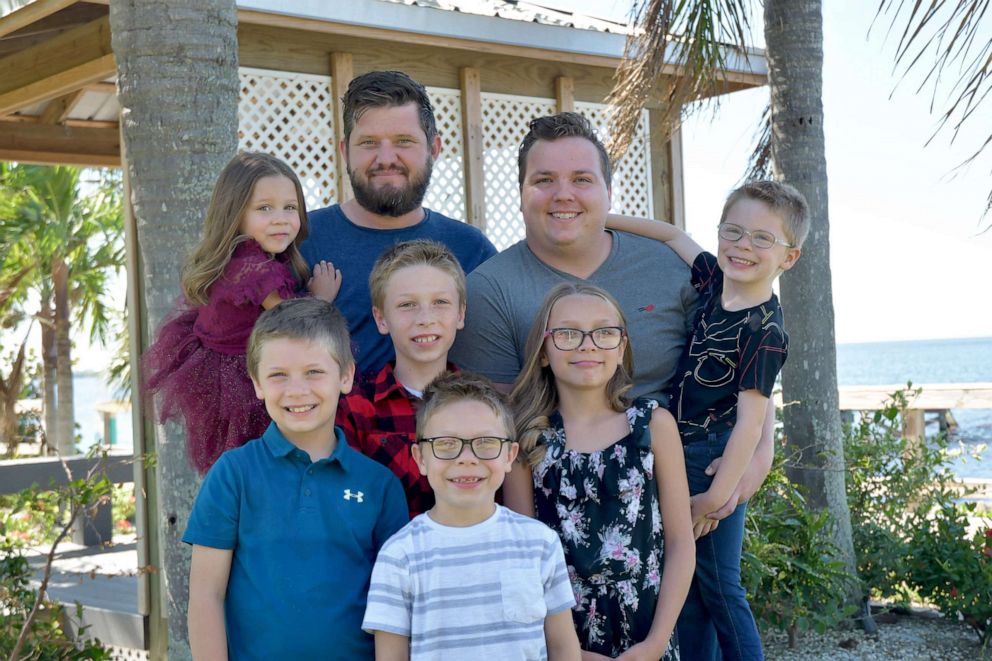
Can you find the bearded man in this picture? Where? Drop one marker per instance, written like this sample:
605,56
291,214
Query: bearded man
390,144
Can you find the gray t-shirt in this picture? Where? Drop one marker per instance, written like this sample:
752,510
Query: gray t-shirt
648,279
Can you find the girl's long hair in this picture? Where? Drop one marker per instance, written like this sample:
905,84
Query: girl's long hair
535,394
222,226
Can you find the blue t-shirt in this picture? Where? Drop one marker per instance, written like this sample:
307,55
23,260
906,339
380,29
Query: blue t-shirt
305,536
354,249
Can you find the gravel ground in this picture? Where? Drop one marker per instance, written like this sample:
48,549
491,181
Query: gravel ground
921,636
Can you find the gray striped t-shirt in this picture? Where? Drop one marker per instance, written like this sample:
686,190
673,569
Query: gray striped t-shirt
477,592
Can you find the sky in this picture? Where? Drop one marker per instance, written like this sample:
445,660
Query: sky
908,258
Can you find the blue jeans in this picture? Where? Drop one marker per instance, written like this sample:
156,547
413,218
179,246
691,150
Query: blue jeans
716,621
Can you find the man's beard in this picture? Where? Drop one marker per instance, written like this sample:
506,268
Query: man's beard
390,200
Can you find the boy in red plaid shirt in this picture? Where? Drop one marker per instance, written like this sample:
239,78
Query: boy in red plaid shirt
418,299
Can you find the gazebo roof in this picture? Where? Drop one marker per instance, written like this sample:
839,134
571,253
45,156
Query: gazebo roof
57,71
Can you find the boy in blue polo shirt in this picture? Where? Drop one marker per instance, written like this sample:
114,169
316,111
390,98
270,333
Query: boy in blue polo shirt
285,529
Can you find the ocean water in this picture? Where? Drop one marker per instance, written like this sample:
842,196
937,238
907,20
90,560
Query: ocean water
930,362
883,363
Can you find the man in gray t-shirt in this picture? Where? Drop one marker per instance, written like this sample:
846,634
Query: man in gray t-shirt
565,199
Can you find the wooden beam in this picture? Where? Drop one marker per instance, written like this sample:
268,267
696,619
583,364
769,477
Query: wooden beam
106,88
58,109
342,71
78,123
58,66
248,17
565,94
31,13
475,188
48,144
661,168
678,180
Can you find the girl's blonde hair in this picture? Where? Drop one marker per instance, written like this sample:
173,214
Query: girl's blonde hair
535,394
222,226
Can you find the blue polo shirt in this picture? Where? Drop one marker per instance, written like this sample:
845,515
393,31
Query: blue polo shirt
305,537
354,249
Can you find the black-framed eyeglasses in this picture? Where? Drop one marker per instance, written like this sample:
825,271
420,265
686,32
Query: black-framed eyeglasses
570,339
450,447
759,238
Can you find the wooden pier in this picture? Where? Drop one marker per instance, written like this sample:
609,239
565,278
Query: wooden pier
937,398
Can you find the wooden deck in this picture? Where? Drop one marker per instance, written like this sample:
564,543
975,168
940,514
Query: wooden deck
104,581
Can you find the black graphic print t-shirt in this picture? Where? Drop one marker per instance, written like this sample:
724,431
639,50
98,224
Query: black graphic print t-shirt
730,351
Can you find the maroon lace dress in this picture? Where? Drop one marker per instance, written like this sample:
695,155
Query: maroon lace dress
197,362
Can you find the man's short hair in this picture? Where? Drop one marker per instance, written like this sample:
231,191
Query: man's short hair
451,387
307,319
419,252
781,198
380,89
562,125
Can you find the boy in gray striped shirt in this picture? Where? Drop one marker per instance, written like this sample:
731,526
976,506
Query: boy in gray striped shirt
469,578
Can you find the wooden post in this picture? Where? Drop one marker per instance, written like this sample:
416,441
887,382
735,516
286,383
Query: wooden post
914,425
565,94
475,190
678,181
342,71
152,601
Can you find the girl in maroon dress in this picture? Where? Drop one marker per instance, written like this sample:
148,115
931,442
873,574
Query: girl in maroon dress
247,261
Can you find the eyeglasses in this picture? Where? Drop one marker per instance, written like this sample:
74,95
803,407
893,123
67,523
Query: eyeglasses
450,447
570,339
759,238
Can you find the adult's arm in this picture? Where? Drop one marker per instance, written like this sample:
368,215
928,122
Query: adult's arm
659,230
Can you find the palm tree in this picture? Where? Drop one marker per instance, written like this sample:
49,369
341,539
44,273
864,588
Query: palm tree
66,245
794,38
177,66
941,34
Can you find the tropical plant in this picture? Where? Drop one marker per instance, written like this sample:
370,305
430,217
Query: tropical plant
63,244
790,568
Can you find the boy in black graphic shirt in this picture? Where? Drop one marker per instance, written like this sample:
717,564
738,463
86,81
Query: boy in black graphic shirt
721,391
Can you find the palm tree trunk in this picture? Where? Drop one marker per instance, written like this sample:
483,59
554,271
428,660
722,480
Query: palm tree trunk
49,360
794,41
177,63
10,390
64,418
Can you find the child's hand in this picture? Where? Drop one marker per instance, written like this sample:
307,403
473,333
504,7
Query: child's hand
326,281
593,656
700,505
704,527
639,652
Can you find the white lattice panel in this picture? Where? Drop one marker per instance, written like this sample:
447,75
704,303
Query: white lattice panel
447,190
504,124
290,115
632,174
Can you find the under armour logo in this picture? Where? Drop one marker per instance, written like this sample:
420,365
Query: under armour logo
358,495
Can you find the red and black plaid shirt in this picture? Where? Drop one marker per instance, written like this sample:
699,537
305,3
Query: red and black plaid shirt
379,420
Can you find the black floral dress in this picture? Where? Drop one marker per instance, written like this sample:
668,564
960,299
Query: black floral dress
604,507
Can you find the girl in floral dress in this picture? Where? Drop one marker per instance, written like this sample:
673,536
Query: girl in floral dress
247,261
595,467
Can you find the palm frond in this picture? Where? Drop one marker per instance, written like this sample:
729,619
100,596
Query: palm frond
952,38
680,49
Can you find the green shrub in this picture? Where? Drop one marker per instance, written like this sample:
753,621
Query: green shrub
32,626
790,568
952,569
46,637
910,529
